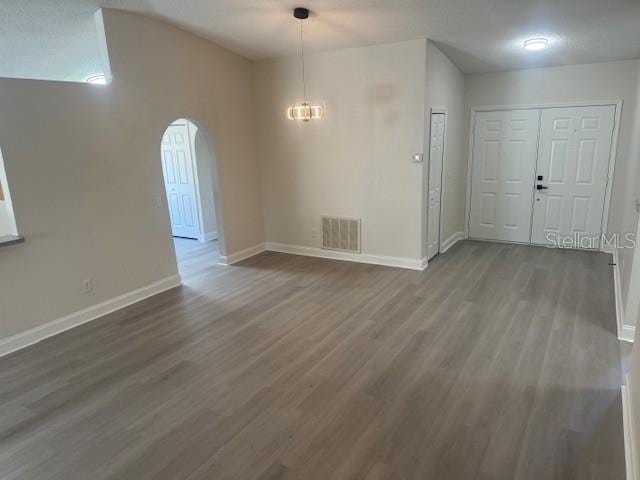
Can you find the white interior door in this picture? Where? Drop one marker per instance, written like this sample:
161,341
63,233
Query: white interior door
573,170
436,153
504,160
180,181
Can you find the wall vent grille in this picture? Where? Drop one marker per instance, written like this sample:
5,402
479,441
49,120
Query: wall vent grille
341,233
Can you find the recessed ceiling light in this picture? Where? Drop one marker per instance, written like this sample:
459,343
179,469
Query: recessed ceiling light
534,44
97,79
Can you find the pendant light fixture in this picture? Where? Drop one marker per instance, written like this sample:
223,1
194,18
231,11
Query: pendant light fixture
304,110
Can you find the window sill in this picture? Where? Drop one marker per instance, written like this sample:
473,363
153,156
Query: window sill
10,240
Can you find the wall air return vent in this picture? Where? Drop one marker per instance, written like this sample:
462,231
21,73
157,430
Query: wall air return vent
340,233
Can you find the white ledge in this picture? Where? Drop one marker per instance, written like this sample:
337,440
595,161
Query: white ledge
8,240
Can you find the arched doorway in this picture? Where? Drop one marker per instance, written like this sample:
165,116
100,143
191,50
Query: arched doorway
191,184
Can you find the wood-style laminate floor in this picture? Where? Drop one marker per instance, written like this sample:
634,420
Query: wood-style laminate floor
497,362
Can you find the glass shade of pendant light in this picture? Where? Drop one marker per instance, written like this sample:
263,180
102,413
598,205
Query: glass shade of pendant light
304,111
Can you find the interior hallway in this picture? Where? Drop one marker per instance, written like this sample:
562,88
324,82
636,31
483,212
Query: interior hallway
497,362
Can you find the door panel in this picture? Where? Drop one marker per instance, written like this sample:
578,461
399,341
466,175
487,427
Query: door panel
504,156
573,160
435,182
180,182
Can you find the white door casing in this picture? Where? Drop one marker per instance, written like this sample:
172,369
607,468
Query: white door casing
436,158
504,158
180,181
573,160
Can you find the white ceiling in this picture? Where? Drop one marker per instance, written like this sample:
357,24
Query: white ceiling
56,39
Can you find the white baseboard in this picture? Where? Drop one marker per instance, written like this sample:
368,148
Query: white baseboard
241,255
625,332
208,237
629,432
424,263
451,241
320,253
37,334
400,262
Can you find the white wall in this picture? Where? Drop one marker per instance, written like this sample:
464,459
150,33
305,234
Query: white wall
628,259
356,161
206,183
629,264
84,168
445,89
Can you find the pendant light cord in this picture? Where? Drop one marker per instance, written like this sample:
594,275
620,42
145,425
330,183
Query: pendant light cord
304,84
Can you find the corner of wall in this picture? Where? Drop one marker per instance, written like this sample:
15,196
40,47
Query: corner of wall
625,332
445,88
103,48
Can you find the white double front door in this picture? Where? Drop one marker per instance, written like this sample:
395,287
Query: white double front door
540,175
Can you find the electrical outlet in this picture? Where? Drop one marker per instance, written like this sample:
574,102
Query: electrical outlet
87,285
314,233
158,201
